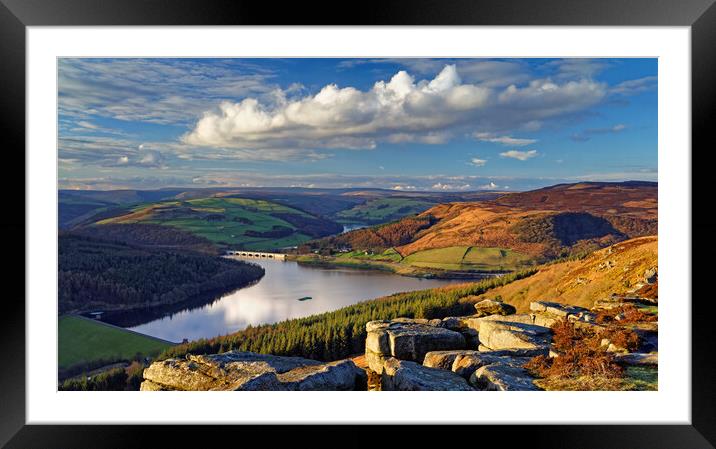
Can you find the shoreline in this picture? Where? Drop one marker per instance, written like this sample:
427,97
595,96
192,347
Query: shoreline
394,268
128,317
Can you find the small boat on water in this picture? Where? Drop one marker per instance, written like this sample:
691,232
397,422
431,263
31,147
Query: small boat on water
304,298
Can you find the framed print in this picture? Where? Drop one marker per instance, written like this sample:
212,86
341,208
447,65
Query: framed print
234,216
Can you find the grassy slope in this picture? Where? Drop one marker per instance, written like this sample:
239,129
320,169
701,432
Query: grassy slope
615,269
82,340
257,213
454,258
468,258
382,210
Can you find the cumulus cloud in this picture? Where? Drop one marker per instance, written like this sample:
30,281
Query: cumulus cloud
485,72
477,162
519,155
401,109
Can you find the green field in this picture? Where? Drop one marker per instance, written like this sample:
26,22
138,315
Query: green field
226,221
382,210
82,341
468,258
389,255
453,258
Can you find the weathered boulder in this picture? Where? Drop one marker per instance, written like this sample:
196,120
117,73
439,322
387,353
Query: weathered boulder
545,320
474,322
615,301
458,324
402,375
444,359
454,323
608,303
465,362
193,375
250,371
493,307
498,335
556,309
407,340
514,352
342,375
502,377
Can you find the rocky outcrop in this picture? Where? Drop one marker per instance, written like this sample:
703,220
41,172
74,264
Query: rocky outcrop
493,307
458,324
456,353
503,377
465,362
556,309
342,375
407,340
402,375
485,371
615,301
231,371
505,335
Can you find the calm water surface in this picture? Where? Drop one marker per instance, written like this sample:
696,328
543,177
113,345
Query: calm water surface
275,298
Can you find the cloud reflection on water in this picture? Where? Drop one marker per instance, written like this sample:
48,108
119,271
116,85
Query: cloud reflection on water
275,298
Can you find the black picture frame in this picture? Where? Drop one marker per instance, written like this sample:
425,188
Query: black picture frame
16,15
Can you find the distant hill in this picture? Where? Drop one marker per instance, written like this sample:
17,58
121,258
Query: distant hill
357,206
229,221
617,269
540,225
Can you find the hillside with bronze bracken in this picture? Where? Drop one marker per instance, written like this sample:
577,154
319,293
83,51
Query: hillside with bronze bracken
543,224
628,268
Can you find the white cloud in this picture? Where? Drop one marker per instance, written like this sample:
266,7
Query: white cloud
450,187
86,124
399,110
503,140
478,162
489,186
519,155
163,91
579,67
635,86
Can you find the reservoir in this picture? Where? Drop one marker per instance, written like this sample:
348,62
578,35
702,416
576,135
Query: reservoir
276,297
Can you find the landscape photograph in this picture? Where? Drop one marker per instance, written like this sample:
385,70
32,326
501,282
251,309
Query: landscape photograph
357,224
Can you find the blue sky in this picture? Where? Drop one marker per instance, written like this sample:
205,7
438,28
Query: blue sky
408,124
